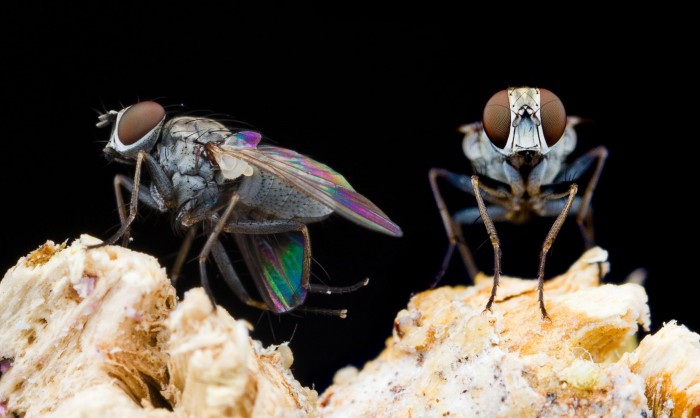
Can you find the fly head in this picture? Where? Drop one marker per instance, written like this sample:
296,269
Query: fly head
134,128
524,120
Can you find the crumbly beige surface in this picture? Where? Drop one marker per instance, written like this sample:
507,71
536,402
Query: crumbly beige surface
81,330
448,358
217,370
100,333
669,363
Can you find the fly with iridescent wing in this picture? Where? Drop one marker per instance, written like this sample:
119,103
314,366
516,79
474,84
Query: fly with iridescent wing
219,180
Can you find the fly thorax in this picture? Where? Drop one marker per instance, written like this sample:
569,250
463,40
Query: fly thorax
484,158
518,216
551,168
537,206
196,129
182,149
518,209
194,193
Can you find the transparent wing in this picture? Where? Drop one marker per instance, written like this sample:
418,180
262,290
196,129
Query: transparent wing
279,264
317,180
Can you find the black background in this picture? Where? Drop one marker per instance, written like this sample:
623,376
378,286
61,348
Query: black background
380,101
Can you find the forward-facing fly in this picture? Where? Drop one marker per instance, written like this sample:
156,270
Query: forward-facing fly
518,154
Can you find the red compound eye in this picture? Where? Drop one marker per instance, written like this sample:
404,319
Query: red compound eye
496,119
138,120
553,116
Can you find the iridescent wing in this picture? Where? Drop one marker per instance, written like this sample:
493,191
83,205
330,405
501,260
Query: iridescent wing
312,177
280,266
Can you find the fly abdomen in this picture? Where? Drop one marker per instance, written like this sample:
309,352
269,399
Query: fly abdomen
268,194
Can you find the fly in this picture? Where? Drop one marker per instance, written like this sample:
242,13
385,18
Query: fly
518,154
219,180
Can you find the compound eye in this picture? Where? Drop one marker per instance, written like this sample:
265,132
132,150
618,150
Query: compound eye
138,120
553,117
496,119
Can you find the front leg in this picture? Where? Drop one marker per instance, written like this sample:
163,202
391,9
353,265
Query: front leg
493,235
160,180
549,240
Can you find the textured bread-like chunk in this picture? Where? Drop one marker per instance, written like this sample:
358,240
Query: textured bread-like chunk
448,358
98,333
669,362
217,370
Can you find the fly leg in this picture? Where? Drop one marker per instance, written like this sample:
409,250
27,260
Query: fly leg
223,262
213,245
584,215
225,266
165,188
549,240
231,278
122,182
160,180
144,196
125,221
182,254
472,215
280,226
493,235
452,228
212,241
